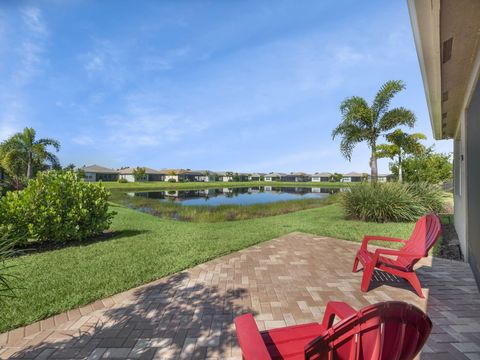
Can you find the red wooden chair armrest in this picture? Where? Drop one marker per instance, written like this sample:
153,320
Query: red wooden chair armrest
336,308
369,238
397,253
250,340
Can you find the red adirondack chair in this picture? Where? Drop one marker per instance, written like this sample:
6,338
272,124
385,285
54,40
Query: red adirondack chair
426,233
391,330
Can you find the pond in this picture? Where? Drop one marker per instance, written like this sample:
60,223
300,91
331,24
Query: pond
236,196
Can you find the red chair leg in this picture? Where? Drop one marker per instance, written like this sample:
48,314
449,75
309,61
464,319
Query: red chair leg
367,276
355,265
413,280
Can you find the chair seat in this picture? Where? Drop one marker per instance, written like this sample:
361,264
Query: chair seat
366,256
289,342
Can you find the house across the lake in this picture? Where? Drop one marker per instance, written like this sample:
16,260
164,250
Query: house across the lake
297,177
383,177
274,177
321,177
352,177
100,173
150,174
256,176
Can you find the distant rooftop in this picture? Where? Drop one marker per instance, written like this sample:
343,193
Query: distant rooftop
99,169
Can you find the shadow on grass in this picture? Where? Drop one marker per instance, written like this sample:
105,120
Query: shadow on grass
174,316
107,236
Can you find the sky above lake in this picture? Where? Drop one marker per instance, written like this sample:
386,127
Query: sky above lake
221,85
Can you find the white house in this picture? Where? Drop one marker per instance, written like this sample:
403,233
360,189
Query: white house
273,177
352,177
256,176
296,177
99,173
447,38
224,176
150,174
321,177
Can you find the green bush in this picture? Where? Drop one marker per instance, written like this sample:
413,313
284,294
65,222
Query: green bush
56,206
172,180
430,196
391,201
122,181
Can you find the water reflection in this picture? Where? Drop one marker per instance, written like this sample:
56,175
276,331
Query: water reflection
236,196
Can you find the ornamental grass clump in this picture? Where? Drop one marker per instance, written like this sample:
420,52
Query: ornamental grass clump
56,207
391,202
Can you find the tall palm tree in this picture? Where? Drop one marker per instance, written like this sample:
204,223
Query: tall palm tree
361,122
24,148
401,143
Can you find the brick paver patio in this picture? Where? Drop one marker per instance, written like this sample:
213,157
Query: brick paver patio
284,281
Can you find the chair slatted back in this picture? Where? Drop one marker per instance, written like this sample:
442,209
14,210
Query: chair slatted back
391,330
426,232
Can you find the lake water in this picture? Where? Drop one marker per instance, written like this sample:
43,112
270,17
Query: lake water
236,196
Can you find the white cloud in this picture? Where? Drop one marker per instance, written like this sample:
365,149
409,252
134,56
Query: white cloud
32,18
83,140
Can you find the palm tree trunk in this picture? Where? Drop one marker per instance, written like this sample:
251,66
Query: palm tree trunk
29,167
400,170
373,165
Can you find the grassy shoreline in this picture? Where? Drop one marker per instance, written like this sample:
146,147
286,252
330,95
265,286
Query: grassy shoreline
211,214
144,248
162,185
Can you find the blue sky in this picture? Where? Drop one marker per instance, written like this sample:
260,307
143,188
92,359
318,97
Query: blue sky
221,85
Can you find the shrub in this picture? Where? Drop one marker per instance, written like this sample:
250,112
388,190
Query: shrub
6,277
122,181
391,202
55,207
430,196
172,180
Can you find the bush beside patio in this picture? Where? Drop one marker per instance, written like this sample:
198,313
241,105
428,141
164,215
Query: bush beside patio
144,248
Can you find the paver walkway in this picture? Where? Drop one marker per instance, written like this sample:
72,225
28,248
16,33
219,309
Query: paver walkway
284,281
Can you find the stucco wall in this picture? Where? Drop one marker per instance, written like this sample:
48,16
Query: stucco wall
460,197
472,132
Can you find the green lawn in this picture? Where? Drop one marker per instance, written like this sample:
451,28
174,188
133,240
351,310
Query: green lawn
147,248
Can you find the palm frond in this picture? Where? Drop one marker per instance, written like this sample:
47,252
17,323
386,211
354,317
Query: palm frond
385,95
49,142
396,117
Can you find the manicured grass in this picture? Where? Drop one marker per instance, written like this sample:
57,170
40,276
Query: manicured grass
163,185
145,248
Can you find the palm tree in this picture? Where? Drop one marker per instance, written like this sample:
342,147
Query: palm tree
361,122
23,148
401,143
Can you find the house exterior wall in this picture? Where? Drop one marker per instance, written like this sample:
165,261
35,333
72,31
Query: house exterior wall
89,176
320,179
128,177
472,167
155,177
460,203
106,177
174,177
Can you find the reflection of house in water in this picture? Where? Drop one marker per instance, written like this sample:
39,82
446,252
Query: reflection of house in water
268,188
294,190
325,190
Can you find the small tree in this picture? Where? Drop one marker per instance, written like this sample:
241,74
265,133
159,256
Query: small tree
400,145
427,166
366,123
22,153
336,177
139,174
